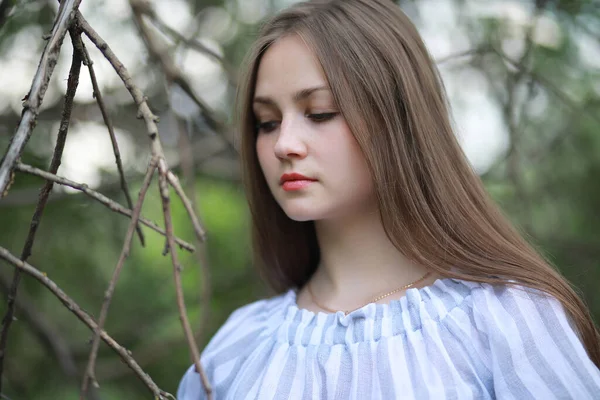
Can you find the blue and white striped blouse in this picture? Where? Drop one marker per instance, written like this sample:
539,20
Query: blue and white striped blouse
451,340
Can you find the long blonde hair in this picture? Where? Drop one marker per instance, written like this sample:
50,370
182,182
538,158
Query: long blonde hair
433,206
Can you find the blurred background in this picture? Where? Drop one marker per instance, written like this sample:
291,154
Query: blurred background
523,78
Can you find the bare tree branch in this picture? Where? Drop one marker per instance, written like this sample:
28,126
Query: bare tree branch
72,84
86,319
158,153
90,373
149,352
113,139
205,148
112,205
33,100
189,207
144,111
164,193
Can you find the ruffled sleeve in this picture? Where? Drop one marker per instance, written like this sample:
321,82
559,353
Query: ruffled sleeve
535,353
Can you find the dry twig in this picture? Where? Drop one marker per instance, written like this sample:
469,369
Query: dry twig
149,352
86,319
158,154
72,84
112,205
113,139
33,100
67,11
204,148
164,193
189,207
89,372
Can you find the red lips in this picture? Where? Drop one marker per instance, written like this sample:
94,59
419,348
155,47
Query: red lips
294,177
294,181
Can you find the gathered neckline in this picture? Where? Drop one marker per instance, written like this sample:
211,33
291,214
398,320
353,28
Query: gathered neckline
292,294
418,306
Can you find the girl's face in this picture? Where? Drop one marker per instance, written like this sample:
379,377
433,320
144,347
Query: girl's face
301,131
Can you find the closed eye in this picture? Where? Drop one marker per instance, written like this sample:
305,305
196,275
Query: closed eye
267,126
322,117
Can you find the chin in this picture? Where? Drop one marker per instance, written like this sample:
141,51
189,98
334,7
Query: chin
300,214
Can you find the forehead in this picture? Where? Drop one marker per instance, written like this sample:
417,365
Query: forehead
288,66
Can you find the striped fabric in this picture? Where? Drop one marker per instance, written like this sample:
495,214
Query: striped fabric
451,340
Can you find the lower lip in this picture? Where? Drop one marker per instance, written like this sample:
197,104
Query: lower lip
289,186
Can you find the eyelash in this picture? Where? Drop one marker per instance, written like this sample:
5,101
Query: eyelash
316,118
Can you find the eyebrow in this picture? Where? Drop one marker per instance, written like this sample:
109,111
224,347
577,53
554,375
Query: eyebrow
298,96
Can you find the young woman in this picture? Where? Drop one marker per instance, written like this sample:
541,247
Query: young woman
398,277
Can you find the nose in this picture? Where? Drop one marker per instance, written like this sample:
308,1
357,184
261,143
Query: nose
290,142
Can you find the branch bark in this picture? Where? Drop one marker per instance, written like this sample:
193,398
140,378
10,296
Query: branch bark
158,154
112,205
111,132
86,319
164,194
90,369
72,84
34,98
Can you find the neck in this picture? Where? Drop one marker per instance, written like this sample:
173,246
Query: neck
358,261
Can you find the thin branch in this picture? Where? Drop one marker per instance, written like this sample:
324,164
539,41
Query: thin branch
90,373
72,83
33,100
86,319
198,229
144,111
205,148
113,139
149,352
112,205
166,202
158,153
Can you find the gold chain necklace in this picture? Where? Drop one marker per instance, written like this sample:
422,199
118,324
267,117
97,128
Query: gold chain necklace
374,300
